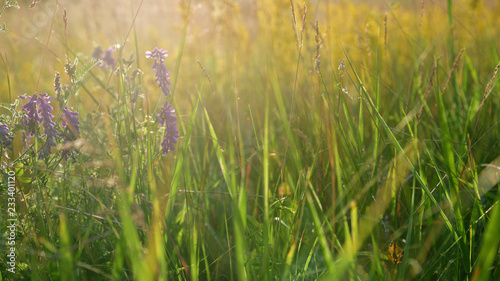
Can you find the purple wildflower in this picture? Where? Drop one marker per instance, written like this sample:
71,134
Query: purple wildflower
31,119
70,121
167,117
5,136
71,127
162,76
108,60
106,57
97,53
44,109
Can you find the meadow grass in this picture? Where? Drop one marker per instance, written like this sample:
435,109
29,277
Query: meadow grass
325,140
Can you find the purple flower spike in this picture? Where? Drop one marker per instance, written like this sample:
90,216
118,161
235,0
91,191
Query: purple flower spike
162,76
44,109
105,56
5,136
108,60
167,117
70,122
31,120
97,53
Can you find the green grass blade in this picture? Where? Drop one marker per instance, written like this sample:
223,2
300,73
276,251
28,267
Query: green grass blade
395,142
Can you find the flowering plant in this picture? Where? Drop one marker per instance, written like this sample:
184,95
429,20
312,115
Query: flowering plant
166,117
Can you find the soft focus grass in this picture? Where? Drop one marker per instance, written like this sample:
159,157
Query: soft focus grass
310,142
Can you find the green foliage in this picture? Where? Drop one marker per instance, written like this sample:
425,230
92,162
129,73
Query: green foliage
299,158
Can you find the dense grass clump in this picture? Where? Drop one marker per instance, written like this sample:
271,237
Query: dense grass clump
323,140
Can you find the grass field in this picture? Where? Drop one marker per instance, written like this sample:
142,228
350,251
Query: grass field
278,140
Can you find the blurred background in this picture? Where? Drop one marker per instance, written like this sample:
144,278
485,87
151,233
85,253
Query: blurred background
232,32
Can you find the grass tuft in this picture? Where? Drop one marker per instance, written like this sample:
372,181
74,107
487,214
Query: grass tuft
305,141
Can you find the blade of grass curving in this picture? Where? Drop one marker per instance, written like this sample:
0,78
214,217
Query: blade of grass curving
239,214
288,261
335,162
254,129
124,111
194,254
241,204
377,267
228,239
292,104
318,226
285,118
409,234
475,98
354,237
489,246
220,157
376,123
361,127
178,169
133,243
265,163
67,263
449,160
395,142
205,259
308,260
129,233
118,263
239,230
